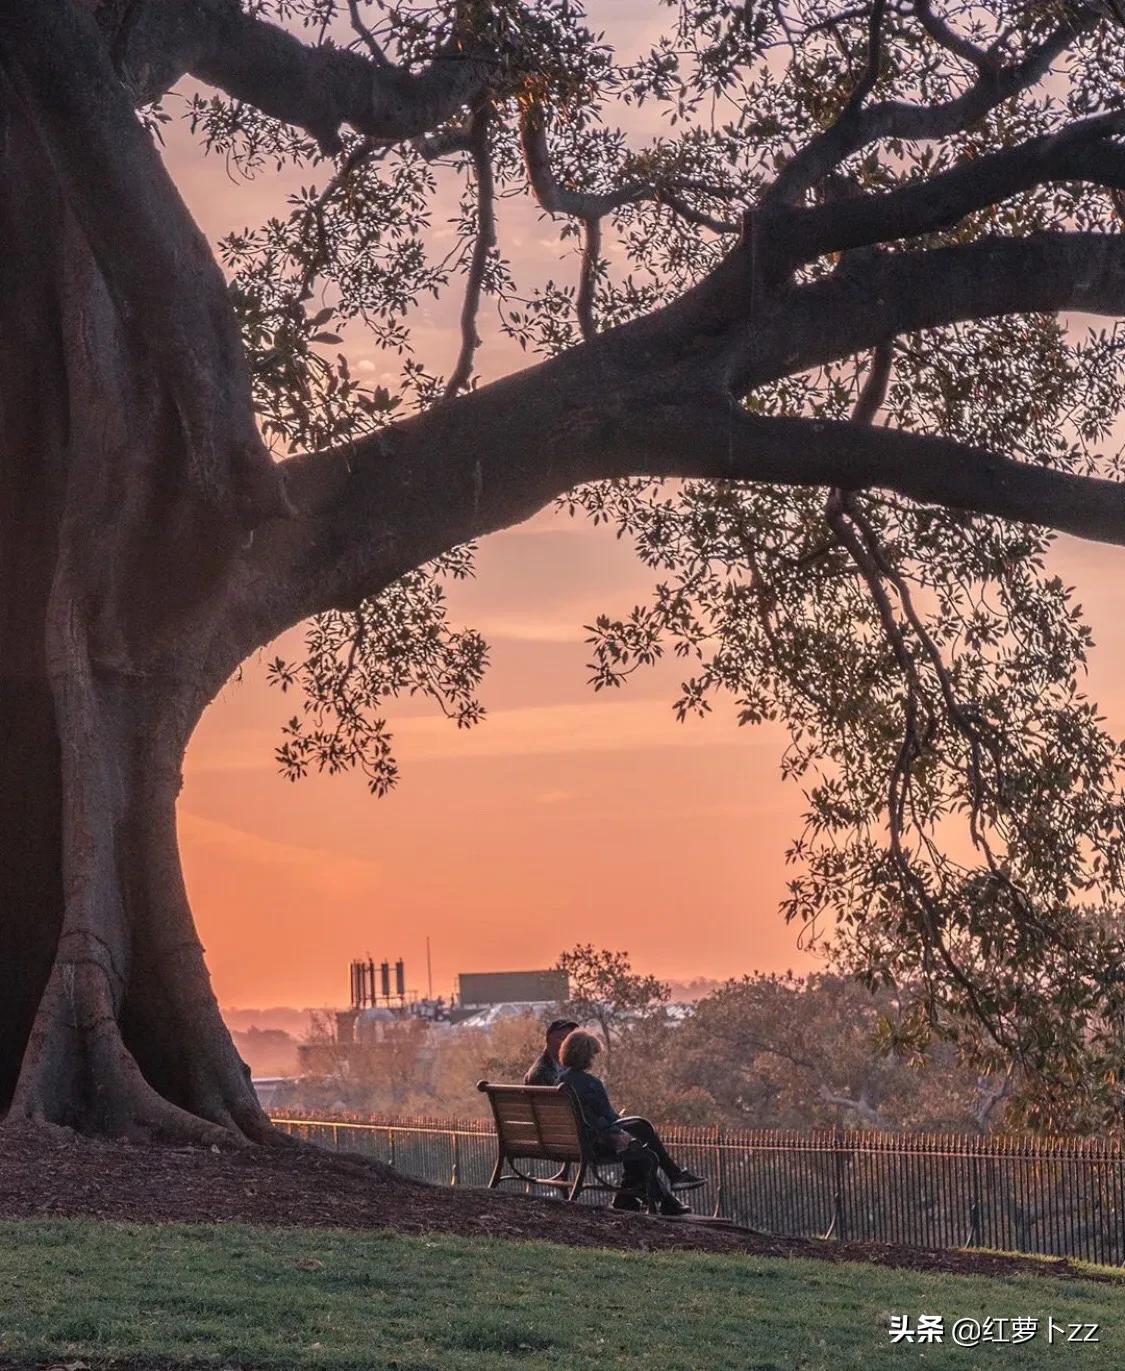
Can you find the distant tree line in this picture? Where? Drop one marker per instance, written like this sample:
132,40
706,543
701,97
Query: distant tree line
760,1051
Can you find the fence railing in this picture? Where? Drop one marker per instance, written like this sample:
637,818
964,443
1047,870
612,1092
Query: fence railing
1053,1196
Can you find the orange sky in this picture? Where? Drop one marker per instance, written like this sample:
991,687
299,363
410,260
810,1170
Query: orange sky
564,817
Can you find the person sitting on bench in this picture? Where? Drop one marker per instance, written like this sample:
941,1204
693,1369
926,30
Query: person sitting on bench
545,1069
632,1141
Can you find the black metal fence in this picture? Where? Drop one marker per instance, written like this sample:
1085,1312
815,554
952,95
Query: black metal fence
1055,1197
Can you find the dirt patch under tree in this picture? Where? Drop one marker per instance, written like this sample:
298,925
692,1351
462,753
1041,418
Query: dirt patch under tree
48,1172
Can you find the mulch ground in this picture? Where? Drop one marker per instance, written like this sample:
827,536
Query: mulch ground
52,1173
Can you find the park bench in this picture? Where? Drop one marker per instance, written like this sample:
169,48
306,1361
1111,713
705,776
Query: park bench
544,1123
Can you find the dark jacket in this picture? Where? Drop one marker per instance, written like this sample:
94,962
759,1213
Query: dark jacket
599,1114
544,1070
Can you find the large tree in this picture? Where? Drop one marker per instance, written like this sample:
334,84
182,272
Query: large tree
833,313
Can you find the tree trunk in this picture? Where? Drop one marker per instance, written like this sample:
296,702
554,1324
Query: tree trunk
126,1035
111,564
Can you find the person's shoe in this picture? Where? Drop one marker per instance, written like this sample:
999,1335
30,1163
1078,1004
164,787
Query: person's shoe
688,1180
630,1203
671,1208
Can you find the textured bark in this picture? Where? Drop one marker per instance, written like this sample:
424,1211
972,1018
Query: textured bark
30,785
110,554
317,87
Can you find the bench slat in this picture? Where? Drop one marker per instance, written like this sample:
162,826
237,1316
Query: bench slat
561,1137
515,1109
555,1111
538,1123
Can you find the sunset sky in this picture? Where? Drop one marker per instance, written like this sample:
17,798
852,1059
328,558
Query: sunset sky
565,816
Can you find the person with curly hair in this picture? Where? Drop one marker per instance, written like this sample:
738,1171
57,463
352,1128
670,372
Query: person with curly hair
632,1141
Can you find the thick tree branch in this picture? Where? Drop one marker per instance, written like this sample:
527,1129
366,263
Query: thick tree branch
729,335
708,442
368,512
447,143
317,88
862,1106
859,126
1080,152
154,260
889,294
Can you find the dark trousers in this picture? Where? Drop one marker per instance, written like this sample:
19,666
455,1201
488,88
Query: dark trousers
643,1160
643,1132
640,1173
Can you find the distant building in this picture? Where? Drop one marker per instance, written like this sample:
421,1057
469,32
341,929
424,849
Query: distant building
480,990
387,1024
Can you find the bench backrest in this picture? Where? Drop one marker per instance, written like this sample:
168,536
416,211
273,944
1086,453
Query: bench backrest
536,1120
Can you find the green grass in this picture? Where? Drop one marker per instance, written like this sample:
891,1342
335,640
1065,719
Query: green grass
307,1298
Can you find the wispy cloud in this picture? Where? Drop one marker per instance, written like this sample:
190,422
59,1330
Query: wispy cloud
219,847
497,624
600,725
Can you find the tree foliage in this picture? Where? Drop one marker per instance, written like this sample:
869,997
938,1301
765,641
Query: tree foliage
606,992
843,247
771,1051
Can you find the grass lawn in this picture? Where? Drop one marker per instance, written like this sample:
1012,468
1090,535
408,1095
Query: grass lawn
307,1298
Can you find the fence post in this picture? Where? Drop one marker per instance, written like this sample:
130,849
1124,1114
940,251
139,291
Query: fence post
720,1182
392,1132
455,1179
838,1228
973,1239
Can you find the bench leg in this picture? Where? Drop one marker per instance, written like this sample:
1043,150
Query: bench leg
577,1186
497,1172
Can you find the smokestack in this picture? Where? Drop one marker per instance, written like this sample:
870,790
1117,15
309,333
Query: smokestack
400,979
